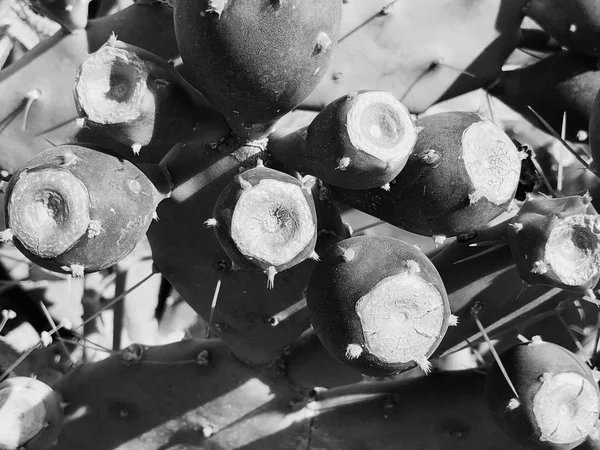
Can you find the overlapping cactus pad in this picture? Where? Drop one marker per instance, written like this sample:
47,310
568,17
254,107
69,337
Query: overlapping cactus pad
311,224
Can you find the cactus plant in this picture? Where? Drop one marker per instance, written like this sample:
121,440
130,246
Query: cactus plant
337,354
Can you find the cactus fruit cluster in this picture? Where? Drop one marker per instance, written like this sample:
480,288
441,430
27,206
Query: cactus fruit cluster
225,144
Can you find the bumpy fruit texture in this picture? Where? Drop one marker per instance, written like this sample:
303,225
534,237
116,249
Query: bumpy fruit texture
360,141
422,51
76,208
72,15
556,242
256,60
573,23
462,173
561,83
378,305
137,98
558,399
266,220
31,414
51,117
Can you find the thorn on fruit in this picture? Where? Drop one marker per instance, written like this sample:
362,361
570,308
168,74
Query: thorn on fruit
75,269
386,187
94,229
136,149
536,340
424,364
343,163
244,184
271,272
353,351
6,235
517,226
210,223
513,404
539,267
348,254
453,320
314,256
439,240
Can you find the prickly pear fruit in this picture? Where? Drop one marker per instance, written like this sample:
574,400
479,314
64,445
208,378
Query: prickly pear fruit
553,401
378,305
462,173
573,23
76,208
360,141
137,98
555,242
31,414
256,60
266,219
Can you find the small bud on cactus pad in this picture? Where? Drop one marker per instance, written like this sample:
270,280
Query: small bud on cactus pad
555,242
573,23
31,414
558,400
75,207
256,60
463,172
378,305
360,141
266,220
